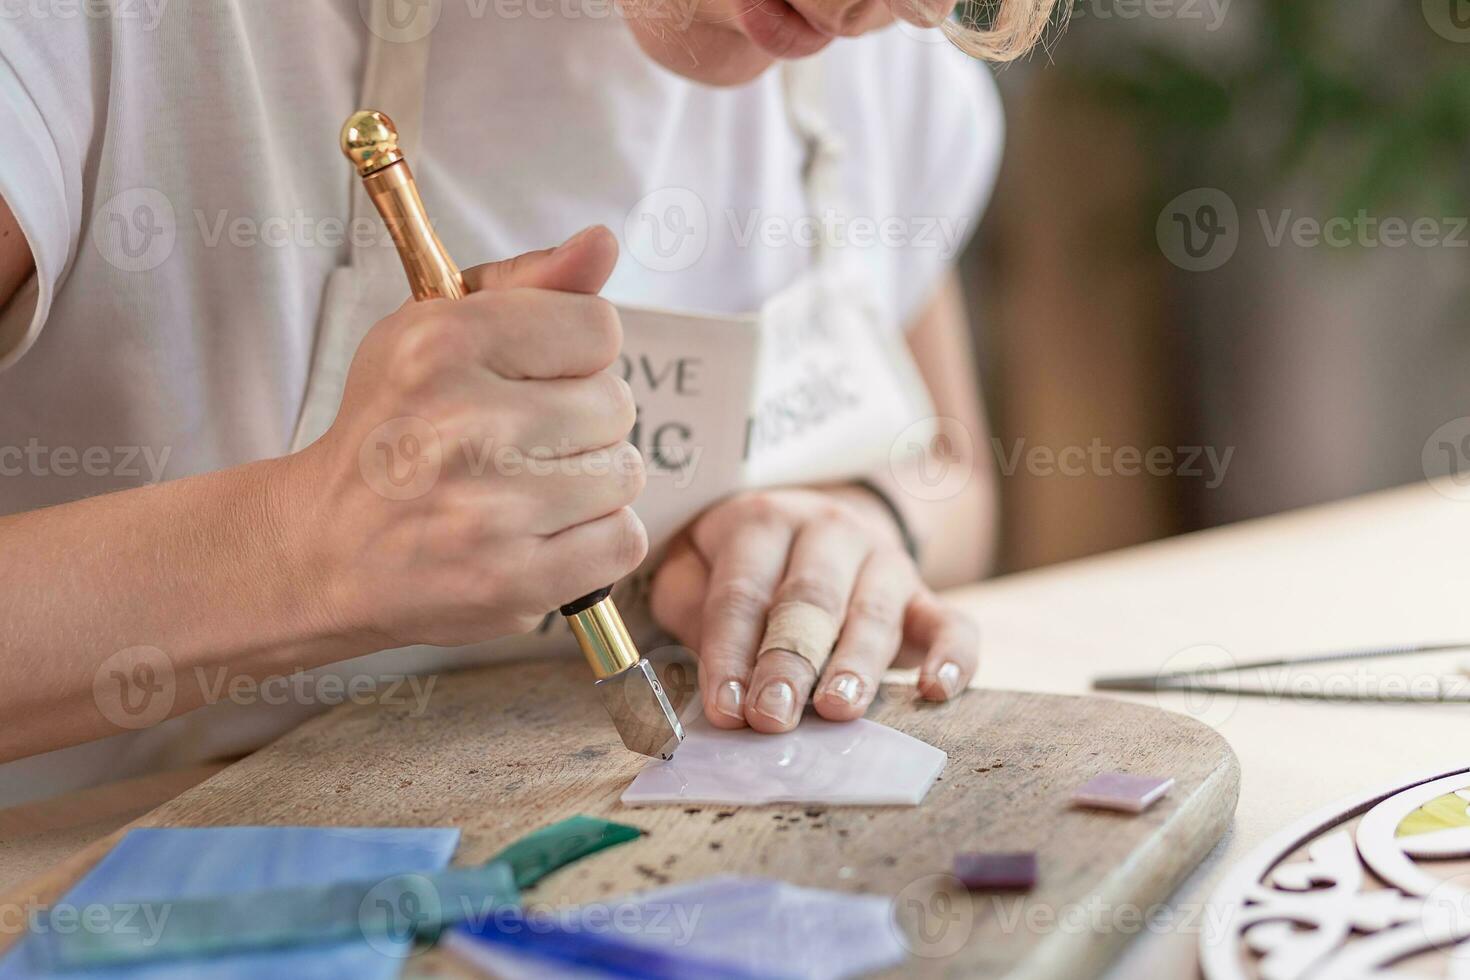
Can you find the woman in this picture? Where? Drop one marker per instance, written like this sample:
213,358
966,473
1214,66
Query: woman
210,409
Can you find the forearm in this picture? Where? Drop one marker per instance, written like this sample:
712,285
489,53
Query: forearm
207,571
946,487
958,536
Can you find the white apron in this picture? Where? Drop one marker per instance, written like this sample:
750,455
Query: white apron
812,387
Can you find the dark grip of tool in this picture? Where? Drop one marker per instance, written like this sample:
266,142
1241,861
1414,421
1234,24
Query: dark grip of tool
587,601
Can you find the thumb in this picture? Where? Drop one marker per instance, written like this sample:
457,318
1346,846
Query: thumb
581,264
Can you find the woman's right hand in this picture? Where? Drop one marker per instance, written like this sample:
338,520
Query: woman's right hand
476,476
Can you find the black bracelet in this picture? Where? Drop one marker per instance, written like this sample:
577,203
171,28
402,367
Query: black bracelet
905,533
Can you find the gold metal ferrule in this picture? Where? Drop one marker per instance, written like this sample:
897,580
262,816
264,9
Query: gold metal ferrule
604,639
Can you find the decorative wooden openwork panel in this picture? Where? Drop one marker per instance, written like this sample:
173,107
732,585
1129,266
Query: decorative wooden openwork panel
1378,886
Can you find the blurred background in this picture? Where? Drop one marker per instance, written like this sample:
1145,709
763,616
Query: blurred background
1227,267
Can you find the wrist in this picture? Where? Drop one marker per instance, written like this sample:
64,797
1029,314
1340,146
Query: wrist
308,585
878,513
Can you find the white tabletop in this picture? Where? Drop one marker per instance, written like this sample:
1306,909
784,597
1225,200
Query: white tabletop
1380,570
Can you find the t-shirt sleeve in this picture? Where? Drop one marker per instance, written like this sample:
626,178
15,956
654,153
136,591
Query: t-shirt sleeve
924,131
46,111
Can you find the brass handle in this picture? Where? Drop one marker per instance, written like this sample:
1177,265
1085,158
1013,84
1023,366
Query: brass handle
370,141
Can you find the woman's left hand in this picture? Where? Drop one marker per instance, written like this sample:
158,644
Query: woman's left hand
838,549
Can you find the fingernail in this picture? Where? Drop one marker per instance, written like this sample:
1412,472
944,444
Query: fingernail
730,700
949,678
848,687
778,702
574,239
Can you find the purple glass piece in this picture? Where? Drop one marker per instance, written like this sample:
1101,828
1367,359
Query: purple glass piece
979,871
1122,791
722,926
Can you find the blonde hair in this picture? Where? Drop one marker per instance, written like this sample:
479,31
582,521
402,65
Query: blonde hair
1000,30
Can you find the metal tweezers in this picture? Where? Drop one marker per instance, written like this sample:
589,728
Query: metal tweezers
1198,680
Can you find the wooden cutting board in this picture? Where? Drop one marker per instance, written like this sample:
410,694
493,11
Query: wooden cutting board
503,750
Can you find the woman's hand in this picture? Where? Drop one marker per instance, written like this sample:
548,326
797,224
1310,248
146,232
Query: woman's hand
476,476
420,516
837,549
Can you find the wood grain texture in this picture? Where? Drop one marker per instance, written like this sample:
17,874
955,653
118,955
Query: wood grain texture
36,836
503,750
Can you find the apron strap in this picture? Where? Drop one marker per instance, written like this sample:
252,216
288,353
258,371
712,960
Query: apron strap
804,87
395,81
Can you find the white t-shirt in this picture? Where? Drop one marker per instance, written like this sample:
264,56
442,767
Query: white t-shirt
175,170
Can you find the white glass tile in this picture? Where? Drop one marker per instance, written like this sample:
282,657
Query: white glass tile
854,762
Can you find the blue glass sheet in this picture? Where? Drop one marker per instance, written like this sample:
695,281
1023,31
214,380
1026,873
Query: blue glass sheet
164,863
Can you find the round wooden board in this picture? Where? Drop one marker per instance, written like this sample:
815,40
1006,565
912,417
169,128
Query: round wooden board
503,750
